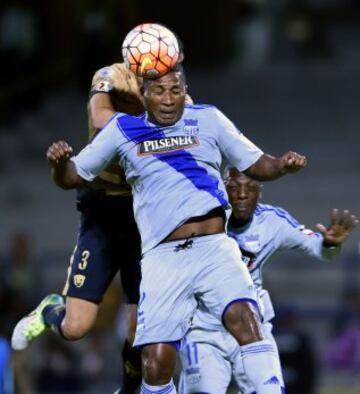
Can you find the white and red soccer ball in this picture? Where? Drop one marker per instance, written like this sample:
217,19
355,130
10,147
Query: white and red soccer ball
150,50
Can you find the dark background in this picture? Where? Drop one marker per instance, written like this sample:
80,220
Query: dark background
286,72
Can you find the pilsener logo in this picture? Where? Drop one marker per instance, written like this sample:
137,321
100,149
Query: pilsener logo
167,144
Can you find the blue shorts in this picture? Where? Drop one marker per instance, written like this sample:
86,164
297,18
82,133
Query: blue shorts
108,242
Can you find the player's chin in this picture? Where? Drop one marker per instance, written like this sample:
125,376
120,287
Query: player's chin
167,118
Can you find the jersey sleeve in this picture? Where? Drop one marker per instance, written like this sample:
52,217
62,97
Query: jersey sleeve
238,150
297,236
100,152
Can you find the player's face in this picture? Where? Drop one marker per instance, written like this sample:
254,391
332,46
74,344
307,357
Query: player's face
243,195
164,99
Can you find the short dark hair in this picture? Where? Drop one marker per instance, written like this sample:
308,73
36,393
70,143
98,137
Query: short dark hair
178,68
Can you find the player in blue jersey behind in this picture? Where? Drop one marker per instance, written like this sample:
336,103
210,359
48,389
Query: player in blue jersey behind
210,356
171,157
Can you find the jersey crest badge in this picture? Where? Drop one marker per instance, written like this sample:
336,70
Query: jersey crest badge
79,280
191,127
252,242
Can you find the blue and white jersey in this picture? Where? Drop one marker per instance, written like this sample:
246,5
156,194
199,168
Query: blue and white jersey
270,230
174,171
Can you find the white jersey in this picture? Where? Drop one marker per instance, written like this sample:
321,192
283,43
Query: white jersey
174,171
270,230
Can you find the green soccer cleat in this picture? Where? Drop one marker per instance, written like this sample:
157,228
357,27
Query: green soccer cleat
32,325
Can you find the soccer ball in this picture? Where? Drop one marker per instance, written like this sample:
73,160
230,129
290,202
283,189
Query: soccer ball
150,50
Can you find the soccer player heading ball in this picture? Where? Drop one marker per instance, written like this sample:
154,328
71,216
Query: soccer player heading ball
151,50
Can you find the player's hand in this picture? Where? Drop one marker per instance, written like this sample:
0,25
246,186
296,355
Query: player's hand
126,82
341,225
58,153
292,162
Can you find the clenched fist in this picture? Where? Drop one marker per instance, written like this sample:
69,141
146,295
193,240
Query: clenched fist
292,162
58,153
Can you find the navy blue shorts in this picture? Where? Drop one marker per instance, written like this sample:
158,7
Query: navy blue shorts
108,242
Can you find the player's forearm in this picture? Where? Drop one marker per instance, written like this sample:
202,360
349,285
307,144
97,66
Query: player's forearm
100,109
66,177
266,168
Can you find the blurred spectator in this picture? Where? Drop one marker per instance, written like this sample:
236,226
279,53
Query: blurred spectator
254,31
343,351
20,282
302,33
19,56
296,353
18,36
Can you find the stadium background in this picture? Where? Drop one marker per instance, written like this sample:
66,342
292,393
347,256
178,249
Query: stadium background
286,72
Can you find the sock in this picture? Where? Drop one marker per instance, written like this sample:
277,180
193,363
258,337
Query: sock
53,315
262,367
131,369
164,389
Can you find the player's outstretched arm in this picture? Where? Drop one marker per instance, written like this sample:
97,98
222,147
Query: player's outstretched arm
268,167
63,170
342,224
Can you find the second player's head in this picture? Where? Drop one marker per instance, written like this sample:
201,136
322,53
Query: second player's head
164,97
244,194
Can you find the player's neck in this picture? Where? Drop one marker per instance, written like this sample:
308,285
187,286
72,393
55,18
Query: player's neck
239,222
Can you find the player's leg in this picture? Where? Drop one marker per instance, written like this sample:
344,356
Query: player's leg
89,275
206,366
79,317
258,353
239,375
165,309
159,361
233,299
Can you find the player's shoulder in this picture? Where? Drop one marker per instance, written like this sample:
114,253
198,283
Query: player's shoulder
198,106
130,122
206,111
276,213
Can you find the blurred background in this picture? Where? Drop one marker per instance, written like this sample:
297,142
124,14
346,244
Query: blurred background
286,72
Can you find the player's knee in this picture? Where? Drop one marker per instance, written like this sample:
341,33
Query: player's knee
242,320
74,329
158,366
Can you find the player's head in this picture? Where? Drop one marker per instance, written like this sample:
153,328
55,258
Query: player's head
164,97
244,194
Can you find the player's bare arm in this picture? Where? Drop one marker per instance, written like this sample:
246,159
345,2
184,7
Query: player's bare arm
342,223
268,167
63,170
114,89
101,109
